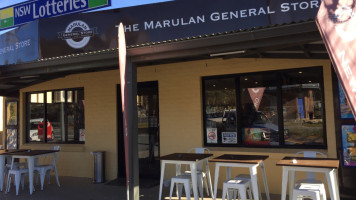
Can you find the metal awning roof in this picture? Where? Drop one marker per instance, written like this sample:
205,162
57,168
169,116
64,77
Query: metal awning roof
296,40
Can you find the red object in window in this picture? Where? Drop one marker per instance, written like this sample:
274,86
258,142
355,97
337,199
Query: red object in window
49,130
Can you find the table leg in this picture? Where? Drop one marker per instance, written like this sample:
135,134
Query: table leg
284,183
193,168
265,180
209,178
217,166
2,172
31,166
291,184
332,184
253,174
161,181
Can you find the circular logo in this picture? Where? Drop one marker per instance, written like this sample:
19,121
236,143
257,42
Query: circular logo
76,41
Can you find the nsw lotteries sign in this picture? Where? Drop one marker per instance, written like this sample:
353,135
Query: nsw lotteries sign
33,10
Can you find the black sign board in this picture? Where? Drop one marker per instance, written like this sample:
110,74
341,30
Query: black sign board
158,22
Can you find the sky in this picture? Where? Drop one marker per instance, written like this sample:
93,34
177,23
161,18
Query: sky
114,4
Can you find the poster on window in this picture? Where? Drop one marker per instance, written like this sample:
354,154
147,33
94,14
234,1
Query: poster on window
211,135
11,138
229,137
11,113
345,110
82,135
256,136
348,134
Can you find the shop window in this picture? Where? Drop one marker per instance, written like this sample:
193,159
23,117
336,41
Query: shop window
63,112
220,111
267,109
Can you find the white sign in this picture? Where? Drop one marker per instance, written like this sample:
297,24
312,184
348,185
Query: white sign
211,135
229,137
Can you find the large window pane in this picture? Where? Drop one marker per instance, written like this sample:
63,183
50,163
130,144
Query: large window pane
303,107
220,111
36,115
75,115
55,116
259,110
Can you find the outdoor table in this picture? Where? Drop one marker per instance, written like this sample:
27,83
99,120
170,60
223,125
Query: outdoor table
247,161
3,155
324,165
192,159
31,155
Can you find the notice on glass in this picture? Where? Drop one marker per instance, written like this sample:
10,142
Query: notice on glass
348,133
82,135
229,137
211,135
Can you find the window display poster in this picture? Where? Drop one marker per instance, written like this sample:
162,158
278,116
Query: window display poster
345,110
256,136
212,135
82,135
348,140
229,137
11,138
11,113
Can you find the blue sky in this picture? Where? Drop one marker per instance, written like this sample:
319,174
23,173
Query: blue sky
114,4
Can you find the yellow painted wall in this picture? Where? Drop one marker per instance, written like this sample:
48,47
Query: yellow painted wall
180,106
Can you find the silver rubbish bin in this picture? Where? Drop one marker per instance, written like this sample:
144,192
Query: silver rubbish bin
99,166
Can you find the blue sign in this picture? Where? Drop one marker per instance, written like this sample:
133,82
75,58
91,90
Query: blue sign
20,45
38,9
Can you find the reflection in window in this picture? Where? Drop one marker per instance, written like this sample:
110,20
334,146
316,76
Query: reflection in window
220,111
259,110
302,107
63,111
36,113
279,108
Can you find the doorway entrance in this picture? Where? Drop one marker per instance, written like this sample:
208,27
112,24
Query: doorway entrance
148,131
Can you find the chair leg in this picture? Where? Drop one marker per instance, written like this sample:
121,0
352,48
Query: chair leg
23,181
56,173
205,181
243,194
17,182
8,185
42,177
223,193
200,187
171,190
187,190
180,188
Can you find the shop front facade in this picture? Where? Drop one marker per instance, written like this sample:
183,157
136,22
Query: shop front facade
265,90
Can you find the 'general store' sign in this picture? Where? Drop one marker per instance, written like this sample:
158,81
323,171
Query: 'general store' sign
33,10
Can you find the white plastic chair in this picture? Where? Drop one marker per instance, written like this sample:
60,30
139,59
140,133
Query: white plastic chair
310,186
19,176
44,170
237,185
180,181
313,191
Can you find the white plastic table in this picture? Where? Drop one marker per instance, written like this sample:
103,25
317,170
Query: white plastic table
247,161
322,165
31,156
191,159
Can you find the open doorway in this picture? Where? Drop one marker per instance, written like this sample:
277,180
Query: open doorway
148,132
